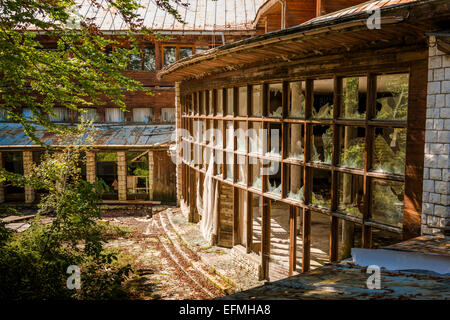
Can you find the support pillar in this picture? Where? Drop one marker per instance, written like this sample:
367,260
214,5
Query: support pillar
264,207
2,188
91,170
151,175
122,174
293,239
27,167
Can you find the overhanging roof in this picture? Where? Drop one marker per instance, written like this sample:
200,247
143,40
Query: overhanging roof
341,30
13,135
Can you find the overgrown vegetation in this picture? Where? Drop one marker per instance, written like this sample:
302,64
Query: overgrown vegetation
33,264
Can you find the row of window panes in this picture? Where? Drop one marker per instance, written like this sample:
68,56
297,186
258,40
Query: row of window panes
391,99
170,53
387,196
140,115
388,153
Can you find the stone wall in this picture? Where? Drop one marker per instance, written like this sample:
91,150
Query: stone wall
436,182
27,167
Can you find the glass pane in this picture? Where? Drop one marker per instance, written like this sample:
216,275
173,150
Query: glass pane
230,101
322,144
89,114
352,147
257,101
255,175
201,49
149,59
321,188
219,103
201,102
351,194
107,171
170,55
389,150
229,135
168,114
242,172
255,137
210,102
185,52
323,99
296,102
219,137
114,115
387,201
242,110
275,108
241,136
135,62
272,173
137,175
274,140
229,165
295,176
392,97
142,115
354,93
295,141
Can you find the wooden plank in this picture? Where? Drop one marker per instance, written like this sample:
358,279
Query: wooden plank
249,226
292,239
306,239
264,207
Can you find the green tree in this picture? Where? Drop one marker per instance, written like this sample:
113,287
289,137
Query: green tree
81,70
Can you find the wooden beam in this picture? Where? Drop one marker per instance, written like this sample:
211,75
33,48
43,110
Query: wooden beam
306,239
292,239
264,207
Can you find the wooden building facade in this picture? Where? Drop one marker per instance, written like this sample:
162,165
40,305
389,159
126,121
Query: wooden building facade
344,106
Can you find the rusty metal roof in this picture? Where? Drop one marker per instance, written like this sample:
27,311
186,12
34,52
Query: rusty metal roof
198,15
107,135
346,280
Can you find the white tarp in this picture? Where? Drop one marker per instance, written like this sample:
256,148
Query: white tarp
208,204
401,260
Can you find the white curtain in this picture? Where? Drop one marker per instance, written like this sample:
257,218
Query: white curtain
209,203
113,115
143,115
62,115
91,114
168,114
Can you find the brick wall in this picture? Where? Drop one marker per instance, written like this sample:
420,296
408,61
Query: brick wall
436,183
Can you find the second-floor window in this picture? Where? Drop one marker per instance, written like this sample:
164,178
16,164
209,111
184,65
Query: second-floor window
170,55
61,115
168,114
143,61
114,115
142,115
89,114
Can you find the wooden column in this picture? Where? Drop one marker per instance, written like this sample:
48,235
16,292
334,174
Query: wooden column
2,188
192,195
264,207
122,174
151,174
27,167
91,171
249,215
293,239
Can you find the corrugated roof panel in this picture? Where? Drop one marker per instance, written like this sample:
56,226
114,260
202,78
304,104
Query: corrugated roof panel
12,134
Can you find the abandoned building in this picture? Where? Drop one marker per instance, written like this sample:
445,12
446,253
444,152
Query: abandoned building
131,148
358,102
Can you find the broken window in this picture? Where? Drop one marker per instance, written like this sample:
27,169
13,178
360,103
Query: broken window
296,103
170,55
323,99
389,150
295,182
257,101
149,59
242,108
322,144
275,95
321,188
185,52
392,97
137,175
354,98
295,141
387,201
88,114
13,162
351,192
106,163
352,146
